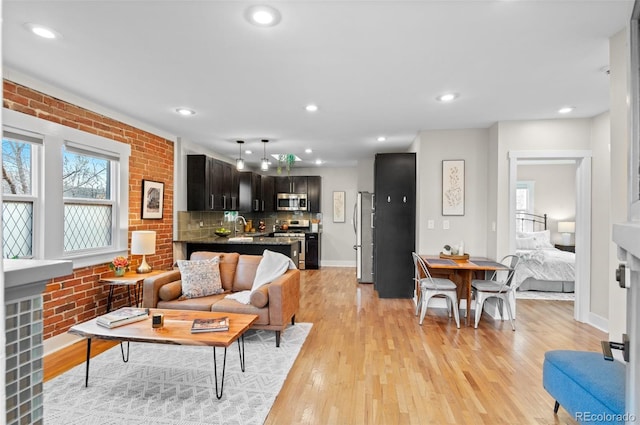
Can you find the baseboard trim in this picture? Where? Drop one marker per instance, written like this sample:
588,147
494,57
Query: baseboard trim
58,342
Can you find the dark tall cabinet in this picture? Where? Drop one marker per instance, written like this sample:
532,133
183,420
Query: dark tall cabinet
394,232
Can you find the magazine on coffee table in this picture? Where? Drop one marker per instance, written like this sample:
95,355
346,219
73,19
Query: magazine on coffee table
122,316
218,324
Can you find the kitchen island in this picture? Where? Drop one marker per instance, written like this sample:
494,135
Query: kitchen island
245,245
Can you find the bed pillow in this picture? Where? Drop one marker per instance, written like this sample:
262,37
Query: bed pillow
542,238
200,277
526,243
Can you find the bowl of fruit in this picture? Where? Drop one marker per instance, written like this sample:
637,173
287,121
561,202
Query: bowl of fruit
222,232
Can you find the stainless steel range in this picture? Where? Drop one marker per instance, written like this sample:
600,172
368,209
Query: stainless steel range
296,230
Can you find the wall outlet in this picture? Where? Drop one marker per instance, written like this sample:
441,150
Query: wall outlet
445,224
430,224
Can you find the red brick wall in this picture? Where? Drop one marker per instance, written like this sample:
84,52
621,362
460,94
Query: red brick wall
78,297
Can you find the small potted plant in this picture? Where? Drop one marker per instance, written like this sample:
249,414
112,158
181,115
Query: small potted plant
119,265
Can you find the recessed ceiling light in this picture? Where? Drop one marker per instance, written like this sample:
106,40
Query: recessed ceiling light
248,151
382,139
263,16
308,150
185,111
42,31
311,108
447,97
565,110
318,161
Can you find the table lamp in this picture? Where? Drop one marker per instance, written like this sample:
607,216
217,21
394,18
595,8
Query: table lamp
143,242
566,228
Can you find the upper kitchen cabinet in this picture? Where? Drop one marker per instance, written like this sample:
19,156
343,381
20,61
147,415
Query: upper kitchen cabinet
199,183
291,184
268,186
250,192
308,185
314,191
212,185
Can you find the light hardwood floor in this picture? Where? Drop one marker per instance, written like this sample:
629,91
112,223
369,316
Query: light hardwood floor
368,361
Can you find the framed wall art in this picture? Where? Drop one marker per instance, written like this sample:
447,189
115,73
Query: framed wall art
152,197
338,207
453,187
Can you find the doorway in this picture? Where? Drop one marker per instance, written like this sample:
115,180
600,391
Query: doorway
582,219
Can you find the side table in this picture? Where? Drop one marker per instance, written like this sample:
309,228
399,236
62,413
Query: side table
568,248
130,279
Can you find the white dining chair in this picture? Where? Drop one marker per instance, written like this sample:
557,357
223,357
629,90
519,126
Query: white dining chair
431,287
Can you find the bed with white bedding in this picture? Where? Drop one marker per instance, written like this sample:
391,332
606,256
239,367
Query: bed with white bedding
542,267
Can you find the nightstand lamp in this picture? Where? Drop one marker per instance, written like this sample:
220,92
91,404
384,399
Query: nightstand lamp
143,242
566,228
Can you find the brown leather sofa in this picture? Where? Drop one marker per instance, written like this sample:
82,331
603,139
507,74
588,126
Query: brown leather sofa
275,303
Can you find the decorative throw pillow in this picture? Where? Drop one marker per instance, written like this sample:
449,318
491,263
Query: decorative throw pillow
526,243
542,238
200,277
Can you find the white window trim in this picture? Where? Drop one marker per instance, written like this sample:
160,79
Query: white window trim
50,225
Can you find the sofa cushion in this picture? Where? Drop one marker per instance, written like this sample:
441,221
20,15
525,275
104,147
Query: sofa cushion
200,304
170,291
228,264
246,272
227,305
200,277
260,297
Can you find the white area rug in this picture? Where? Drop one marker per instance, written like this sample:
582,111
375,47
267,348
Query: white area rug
169,384
539,295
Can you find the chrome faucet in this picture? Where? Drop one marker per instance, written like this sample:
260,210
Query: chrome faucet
235,224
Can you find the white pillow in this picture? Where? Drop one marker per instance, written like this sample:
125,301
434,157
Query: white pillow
200,277
526,243
542,238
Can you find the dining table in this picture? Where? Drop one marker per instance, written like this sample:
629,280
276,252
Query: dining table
464,268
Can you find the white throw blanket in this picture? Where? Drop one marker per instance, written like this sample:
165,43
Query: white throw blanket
272,266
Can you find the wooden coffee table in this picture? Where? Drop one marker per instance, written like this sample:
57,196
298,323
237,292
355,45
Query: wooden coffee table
176,330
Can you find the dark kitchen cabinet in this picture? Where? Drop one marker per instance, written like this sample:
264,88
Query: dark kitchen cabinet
211,184
198,183
314,192
250,192
395,224
268,190
291,184
312,251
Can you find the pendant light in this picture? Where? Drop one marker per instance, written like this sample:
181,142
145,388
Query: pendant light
240,161
264,164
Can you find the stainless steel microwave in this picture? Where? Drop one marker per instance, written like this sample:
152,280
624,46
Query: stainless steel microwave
291,202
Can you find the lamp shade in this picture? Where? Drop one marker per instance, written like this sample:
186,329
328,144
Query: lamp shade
143,242
566,227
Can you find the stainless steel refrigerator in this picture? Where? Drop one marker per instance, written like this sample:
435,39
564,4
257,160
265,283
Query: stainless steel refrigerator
363,226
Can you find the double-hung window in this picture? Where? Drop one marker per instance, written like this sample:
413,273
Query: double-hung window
75,200
88,200
20,162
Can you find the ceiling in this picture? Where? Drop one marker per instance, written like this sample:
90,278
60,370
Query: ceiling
374,68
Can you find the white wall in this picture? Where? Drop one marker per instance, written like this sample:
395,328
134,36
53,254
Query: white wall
620,128
434,146
554,193
337,239
542,135
601,242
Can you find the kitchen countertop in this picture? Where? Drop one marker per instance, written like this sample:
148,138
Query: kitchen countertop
257,240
